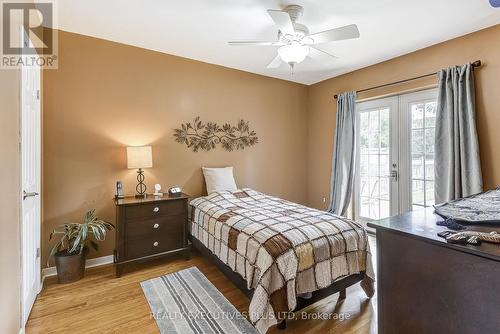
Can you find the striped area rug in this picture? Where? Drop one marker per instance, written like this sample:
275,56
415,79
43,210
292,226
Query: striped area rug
186,302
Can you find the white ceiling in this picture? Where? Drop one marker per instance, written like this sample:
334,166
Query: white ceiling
200,29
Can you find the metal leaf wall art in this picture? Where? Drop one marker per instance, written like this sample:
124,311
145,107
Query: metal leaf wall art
206,136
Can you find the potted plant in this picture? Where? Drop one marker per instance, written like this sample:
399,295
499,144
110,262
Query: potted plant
72,248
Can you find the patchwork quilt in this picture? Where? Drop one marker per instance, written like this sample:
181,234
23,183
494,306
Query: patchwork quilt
282,249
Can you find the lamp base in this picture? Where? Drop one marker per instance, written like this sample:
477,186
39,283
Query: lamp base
141,187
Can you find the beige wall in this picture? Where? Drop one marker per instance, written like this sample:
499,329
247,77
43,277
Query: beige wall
9,202
106,95
483,45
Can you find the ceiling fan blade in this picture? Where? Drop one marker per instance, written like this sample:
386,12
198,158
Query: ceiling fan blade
282,20
337,34
316,53
276,62
246,43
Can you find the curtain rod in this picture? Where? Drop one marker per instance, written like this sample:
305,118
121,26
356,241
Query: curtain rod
475,64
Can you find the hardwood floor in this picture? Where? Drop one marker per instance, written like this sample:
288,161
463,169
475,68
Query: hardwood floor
101,303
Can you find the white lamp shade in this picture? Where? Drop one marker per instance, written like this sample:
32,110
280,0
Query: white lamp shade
139,157
293,53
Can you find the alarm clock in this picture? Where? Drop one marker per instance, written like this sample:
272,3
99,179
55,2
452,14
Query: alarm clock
175,191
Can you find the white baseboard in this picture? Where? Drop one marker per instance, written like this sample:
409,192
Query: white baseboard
98,261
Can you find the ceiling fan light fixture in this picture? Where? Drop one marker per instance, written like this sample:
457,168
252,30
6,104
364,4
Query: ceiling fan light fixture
295,41
293,53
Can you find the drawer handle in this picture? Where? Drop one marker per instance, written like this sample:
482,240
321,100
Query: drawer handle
156,243
156,225
156,209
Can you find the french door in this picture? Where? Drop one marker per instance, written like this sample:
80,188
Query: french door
395,155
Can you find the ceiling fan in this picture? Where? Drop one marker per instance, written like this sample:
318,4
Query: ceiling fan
294,40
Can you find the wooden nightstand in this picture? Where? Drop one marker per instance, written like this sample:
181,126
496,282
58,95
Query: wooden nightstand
149,228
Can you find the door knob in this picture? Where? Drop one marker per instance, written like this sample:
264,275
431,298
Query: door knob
156,225
26,195
156,243
156,209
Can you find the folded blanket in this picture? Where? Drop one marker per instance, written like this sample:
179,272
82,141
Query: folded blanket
482,208
280,248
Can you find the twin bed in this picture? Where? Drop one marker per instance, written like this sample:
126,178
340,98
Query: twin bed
282,255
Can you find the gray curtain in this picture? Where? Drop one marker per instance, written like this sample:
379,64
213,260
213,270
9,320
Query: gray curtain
457,165
341,182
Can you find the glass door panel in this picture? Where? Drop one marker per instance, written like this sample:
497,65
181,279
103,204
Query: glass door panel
375,191
419,117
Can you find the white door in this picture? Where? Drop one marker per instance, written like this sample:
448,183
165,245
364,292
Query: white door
395,155
31,175
376,186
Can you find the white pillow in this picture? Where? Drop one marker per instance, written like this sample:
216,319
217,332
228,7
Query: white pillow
219,179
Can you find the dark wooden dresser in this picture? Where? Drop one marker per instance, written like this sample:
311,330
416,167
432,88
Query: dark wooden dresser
149,228
426,285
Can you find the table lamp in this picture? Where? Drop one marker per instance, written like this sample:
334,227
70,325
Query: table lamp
139,157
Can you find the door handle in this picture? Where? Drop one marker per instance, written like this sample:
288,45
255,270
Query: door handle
26,195
394,175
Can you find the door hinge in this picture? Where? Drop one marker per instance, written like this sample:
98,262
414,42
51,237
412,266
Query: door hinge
38,252
38,94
